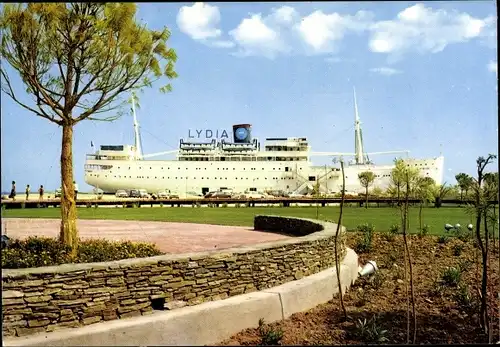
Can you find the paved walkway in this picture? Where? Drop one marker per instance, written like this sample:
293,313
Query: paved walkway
169,237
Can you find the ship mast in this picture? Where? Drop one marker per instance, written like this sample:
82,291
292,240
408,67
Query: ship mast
360,157
137,134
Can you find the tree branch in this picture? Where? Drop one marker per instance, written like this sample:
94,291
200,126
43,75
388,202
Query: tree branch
10,92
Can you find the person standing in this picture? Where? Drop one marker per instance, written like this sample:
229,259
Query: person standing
13,191
40,191
27,192
76,189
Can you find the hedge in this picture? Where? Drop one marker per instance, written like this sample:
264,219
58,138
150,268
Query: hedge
45,251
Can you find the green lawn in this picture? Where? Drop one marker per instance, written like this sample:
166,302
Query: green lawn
382,218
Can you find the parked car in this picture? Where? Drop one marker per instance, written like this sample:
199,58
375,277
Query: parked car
218,195
134,193
143,193
163,194
192,195
121,193
296,195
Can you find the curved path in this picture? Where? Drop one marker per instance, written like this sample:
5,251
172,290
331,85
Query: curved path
169,237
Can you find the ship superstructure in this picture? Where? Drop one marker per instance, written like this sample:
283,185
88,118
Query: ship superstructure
240,165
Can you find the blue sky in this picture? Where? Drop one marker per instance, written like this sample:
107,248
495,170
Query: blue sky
425,76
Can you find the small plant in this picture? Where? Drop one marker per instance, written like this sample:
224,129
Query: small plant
377,280
424,231
269,336
370,331
365,244
457,250
393,256
224,204
443,239
394,229
161,204
451,277
465,265
463,297
361,299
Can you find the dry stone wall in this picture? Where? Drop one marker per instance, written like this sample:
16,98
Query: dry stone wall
71,295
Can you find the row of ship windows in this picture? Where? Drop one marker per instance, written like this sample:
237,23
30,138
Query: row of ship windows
185,178
243,159
109,167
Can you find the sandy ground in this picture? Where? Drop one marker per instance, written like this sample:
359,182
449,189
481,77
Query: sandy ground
169,237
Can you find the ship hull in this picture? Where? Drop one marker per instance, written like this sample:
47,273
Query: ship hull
202,176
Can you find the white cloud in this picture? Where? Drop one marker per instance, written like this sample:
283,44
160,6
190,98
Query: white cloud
321,31
199,21
386,71
424,29
223,44
260,36
284,30
493,66
285,14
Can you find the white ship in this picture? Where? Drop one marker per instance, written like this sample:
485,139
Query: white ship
241,166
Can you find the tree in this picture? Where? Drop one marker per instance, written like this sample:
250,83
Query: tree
424,187
410,176
77,60
481,206
440,192
366,179
397,177
339,224
464,183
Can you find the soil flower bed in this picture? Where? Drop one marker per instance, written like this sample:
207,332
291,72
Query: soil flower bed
447,282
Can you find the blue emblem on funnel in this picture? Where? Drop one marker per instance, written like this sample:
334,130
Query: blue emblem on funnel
241,133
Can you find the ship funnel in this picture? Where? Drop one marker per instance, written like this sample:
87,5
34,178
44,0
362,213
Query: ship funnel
242,133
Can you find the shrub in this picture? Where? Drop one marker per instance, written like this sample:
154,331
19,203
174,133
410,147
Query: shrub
424,231
44,251
295,226
365,244
370,331
443,239
457,250
394,229
451,277
269,336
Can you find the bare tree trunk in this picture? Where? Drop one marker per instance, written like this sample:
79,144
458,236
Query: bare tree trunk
408,257
484,282
366,195
337,264
482,316
68,233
